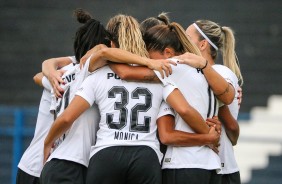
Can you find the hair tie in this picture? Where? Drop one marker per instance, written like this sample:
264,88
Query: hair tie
170,27
160,19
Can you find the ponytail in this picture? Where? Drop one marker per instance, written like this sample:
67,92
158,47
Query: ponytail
224,39
172,35
161,19
230,58
188,45
89,35
125,33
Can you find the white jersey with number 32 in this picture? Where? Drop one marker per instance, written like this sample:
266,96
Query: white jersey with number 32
128,110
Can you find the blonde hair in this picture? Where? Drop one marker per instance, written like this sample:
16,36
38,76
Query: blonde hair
188,45
172,35
125,33
223,38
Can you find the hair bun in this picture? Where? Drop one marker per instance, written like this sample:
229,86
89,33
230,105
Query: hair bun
81,15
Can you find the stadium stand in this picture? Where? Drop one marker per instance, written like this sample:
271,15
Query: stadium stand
259,149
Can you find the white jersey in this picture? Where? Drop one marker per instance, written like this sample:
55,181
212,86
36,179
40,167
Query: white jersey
226,152
75,144
128,110
32,159
193,85
165,109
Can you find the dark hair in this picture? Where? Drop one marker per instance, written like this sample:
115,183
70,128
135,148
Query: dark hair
89,35
172,35
161,19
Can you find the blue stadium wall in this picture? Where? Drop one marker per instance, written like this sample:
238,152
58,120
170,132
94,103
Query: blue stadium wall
32,31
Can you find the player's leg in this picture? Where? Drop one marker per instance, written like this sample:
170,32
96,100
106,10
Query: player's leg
24,178
107,166
144,166
215,178
188,175
233,178
63,172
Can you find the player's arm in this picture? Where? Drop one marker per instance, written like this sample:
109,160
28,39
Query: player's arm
169,136
122,56
190,115
38,79
223,90
134,73
77,106
231,125
50,70
42,81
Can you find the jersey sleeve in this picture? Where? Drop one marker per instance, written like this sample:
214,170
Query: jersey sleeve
167,90
167,82
165,109
86,90
227,74
46,84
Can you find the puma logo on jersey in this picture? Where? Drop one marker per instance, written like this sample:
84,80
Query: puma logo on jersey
112,75
125,136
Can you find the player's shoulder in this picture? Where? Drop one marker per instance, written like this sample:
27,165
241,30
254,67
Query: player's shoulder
219,68
223,69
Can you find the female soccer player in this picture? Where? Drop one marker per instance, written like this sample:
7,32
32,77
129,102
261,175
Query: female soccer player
210,38
160,50
126,141
126,136
31,164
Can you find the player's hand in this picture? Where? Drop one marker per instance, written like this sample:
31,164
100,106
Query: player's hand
90,52
47,152
214,122
191,59
214,136
55,79
240,96
161,65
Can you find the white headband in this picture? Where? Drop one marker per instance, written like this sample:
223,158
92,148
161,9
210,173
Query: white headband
205,36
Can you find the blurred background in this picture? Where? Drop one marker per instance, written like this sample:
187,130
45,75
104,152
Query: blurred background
32,31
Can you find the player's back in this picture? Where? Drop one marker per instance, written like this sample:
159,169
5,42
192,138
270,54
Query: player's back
193,85
75,144
128,109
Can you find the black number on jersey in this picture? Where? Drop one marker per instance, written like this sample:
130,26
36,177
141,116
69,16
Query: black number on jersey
64,101
134,126
121,106
118,106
